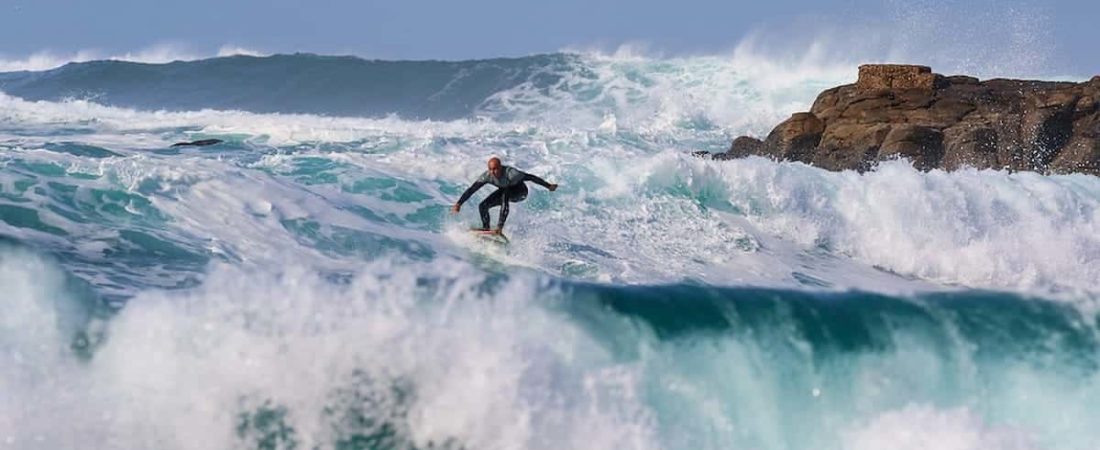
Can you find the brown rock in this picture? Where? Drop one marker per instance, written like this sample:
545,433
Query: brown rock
742,147
1081,155
850,146
923,146
1082,152
825,106
900,111
956,80
795,138
1086,106
968,146
1046,129
895,76
871,107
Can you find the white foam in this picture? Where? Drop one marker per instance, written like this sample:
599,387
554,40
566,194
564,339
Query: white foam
654,95
145,129
922,427
164,52
440,353
975,228
36,361
237,50
179,369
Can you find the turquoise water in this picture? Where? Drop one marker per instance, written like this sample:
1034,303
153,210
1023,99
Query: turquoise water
302,285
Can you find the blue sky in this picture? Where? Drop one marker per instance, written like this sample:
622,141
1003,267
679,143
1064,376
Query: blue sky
1054,38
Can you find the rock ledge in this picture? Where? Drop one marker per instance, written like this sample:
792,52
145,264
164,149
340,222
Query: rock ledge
941,122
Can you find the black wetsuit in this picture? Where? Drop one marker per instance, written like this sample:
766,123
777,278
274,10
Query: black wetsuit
510,189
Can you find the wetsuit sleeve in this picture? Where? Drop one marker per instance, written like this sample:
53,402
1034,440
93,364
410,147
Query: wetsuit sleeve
536,180
470,191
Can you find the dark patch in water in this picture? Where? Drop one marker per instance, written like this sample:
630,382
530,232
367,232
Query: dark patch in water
808,280
84,150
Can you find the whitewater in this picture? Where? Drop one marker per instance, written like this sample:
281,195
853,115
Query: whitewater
303,285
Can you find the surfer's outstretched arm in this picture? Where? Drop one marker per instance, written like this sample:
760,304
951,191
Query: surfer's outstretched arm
539,181
466,195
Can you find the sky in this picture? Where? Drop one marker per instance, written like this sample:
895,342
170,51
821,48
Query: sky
993,36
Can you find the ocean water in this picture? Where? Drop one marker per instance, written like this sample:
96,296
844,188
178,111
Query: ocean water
303,286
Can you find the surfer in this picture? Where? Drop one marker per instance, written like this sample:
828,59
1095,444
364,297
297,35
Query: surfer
510,188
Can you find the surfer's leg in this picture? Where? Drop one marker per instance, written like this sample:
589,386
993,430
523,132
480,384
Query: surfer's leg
516,193
489,202
503,209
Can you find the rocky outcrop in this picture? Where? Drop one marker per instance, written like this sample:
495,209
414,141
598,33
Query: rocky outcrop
742,147
941,122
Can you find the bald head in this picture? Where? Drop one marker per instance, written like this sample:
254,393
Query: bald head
495,167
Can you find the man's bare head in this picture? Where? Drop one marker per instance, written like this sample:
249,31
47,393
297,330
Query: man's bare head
495,169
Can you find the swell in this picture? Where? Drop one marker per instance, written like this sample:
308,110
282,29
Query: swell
994,325
299,83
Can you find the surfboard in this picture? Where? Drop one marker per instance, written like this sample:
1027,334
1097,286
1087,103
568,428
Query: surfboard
489,235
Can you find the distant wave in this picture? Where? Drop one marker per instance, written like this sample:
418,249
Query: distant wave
300,83
156,54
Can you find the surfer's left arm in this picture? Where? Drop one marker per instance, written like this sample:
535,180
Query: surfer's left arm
539,181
